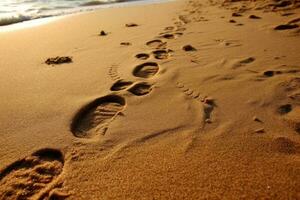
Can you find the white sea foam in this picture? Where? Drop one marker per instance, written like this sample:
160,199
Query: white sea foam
15,11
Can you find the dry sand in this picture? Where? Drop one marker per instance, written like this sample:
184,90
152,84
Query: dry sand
189,100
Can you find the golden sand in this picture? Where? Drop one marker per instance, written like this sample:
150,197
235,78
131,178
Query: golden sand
179,100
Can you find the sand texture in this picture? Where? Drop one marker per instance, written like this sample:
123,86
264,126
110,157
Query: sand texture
179,100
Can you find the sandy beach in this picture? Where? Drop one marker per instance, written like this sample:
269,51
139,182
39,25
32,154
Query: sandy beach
178,100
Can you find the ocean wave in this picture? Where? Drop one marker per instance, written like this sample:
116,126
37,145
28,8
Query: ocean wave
17,12
13,20
95,3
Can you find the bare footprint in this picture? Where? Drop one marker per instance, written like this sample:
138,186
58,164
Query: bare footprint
146,70
32,176
140,89
94,118
161,54
120,85
142,56
156,44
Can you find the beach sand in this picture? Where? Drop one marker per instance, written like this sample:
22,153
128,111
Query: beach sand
178,100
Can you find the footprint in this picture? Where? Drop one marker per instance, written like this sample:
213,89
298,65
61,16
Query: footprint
29,177
170,35
184,19
94,118
243,62
169,28
189,48
58,60
161,54
254,17
282,4
140,89
286,27
146,70
180,29
156,44
247,60
142,56
270,73
208,108
120,85
236,14
284,109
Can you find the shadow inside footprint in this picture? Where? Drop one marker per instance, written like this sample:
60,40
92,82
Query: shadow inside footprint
270,73
94,118
142,56
254,17
27,177
189,48
284,109
120,85
156,44
140,89
168,36
146,70
286,27
247,60
161,54
131,25
125,43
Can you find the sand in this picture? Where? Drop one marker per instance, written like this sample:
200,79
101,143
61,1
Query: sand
179,100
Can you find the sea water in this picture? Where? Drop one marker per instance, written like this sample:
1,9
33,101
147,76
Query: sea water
14,11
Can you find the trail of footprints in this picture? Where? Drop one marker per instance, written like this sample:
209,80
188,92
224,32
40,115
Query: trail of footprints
208,103
35,176
94,118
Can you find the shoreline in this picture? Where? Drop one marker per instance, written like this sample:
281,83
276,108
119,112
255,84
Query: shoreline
80,10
